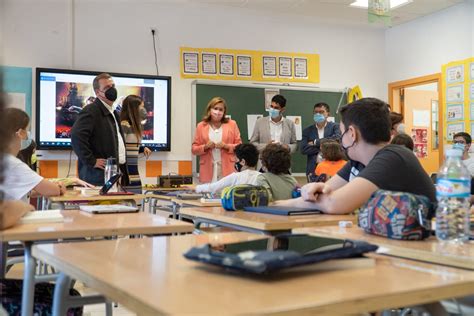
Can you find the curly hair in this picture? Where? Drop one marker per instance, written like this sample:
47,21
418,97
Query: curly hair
332,151
276,159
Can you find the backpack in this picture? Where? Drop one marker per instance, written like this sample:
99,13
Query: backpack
397,215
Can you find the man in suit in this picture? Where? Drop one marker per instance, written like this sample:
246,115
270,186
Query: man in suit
275,128
312,135
97,134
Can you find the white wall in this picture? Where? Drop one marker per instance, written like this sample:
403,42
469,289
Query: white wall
422,46
115,36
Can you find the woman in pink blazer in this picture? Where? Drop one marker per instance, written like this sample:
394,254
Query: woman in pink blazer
214,141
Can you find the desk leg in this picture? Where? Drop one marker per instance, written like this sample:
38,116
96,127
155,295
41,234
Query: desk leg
28,293
61,291
175,210
3,259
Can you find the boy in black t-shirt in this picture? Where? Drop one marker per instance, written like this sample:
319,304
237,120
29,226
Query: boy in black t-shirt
373,165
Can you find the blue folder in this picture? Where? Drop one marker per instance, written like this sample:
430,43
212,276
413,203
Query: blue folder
282,210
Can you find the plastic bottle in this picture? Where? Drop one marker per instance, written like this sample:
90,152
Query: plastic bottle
453,189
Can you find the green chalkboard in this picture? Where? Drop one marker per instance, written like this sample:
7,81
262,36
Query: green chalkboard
251,100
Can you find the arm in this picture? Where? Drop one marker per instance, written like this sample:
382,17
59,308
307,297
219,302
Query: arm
336,133
262,181
293,142
48,188
80,134
255,139
198,147
308,148
230,144
219,185
12,211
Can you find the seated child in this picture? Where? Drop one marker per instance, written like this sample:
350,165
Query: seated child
373,165
404,140
19,180
276,161
333,159
247,159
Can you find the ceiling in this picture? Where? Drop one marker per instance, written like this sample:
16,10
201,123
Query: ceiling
336,11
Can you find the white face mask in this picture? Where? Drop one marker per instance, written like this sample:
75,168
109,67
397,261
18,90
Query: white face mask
401,128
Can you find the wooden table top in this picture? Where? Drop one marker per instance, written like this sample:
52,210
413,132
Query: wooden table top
75,195
150,276
264,222
80,224
430,250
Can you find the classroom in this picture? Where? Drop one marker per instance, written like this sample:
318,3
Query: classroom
236,157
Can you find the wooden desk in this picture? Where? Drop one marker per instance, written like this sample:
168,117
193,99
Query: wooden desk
198,203
430,250
161,279
75,196
257,222
78,225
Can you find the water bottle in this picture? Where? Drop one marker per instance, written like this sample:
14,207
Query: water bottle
453,189
110,170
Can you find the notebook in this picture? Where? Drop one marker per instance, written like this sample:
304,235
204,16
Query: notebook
50,216
282,210
107,209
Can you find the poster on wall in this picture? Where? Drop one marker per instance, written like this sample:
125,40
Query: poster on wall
269,66
285,67
421,118
226,64
455,74
455,112
190,62
251,120
472,111
209,66
244,66
16,100
454,128
421,150
472,71
297,121
301,67
471,91
455,94
420,139
269,94
472,128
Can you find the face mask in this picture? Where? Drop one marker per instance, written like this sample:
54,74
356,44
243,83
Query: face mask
346,148
111,94
459,146
238,166
274,113
319,118
143,114
25,143
217,114
401,128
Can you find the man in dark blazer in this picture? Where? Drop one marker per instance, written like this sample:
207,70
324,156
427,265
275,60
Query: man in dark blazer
312,135
97,134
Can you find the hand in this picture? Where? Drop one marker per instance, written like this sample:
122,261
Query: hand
209,145
311,191
82,182
285,146
62,188
147,151
222,145
311,143
100,163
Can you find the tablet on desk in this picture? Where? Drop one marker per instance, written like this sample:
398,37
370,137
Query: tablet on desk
282,210
108,185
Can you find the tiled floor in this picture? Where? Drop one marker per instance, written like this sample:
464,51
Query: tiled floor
90,310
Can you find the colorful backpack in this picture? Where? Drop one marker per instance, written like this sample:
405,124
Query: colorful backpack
237,197
397,215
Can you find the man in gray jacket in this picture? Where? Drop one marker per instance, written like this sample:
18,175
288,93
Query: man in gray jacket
275,128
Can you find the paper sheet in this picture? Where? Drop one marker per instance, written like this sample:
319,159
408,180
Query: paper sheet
16,100
297,121
251,120
421,118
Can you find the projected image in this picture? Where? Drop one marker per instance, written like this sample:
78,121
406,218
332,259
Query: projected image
72,97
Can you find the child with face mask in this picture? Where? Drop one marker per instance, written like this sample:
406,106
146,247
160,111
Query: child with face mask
373,164
245,167
214,142
19,179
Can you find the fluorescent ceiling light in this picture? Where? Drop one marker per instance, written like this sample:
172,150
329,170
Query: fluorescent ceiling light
393,3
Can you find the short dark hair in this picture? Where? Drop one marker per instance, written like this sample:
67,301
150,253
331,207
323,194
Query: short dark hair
95,82
248,152
276,159
279,99
395,118
322,105
404,140
371,117
464,135
331,150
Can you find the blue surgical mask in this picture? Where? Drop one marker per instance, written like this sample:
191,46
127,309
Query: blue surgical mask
459,146
25,143
319,118
274,113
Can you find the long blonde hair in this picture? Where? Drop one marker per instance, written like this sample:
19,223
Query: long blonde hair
210,105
